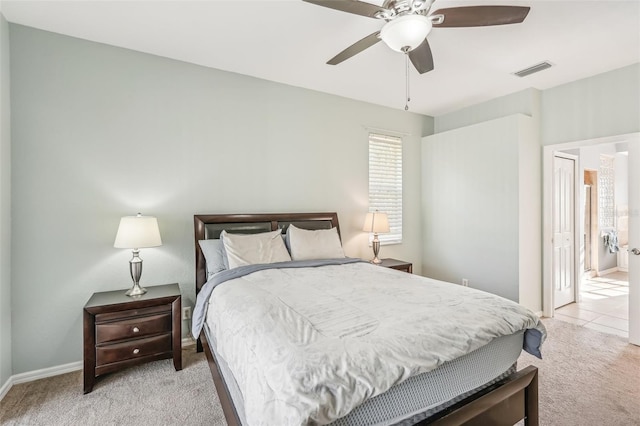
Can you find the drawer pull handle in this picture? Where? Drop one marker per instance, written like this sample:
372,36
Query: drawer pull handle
136,329
136,351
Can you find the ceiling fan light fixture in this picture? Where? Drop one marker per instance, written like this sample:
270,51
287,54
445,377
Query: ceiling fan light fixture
406,32
417,4
382,14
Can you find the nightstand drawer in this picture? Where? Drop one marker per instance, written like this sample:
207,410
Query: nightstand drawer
133,328
131,313
133,349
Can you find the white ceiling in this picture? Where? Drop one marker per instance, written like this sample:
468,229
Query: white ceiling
289,41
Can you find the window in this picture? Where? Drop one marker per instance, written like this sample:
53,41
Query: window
606,192
385,183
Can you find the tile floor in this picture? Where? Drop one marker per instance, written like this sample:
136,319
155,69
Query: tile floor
603,305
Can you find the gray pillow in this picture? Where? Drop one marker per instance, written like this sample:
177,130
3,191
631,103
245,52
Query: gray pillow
214,254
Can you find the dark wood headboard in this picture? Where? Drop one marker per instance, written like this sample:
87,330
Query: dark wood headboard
210,226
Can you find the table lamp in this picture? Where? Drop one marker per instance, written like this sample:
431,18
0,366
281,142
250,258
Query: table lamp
136,232
376,223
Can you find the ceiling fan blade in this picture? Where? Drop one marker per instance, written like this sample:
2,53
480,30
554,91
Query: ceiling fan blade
480,16
355,48
351,6
421,57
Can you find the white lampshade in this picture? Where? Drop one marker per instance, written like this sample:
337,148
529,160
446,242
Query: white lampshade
376,222
406,32
137,232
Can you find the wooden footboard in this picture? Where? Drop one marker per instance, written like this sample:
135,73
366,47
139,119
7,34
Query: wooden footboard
502,404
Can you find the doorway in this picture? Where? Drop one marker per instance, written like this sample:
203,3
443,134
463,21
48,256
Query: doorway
632,141
603,298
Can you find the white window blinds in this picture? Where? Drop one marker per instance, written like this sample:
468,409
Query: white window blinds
385,183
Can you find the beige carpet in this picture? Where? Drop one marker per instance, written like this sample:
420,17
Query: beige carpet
150,394
586,378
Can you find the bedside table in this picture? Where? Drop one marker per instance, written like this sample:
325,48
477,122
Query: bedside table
122,331
400,265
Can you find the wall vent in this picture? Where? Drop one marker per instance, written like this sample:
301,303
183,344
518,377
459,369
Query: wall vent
533,69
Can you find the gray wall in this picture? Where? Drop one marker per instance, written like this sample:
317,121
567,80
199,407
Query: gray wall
101,132
607,104
5,205
525,102
480,210
518,274
603,105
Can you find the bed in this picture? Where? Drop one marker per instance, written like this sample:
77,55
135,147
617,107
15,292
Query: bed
478,386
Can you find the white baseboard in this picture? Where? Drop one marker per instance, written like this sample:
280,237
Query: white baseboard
30,376
5,388
607,271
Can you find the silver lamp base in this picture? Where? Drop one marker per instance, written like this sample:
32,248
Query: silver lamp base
136,290
135,267
376,249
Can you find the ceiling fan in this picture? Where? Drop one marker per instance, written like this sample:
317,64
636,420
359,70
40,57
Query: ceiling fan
408,22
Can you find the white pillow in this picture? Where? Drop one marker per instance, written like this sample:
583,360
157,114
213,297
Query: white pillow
249,249
318,244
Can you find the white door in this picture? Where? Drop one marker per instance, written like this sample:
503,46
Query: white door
563,229
634,241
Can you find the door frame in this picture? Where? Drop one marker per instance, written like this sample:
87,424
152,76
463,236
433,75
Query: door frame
548,152
634,269
576,220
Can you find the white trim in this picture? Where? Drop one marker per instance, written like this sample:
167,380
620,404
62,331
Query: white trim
30,376
6,388
43,373
547,230
608,271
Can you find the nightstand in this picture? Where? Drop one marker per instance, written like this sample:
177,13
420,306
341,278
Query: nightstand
122,331
400,265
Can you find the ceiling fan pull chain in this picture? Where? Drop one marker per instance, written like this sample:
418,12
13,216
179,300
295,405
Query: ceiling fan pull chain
406,105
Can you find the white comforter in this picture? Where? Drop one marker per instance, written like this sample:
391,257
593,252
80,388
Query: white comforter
308,345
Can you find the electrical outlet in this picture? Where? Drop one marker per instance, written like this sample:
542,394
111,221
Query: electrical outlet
186,312
465,282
